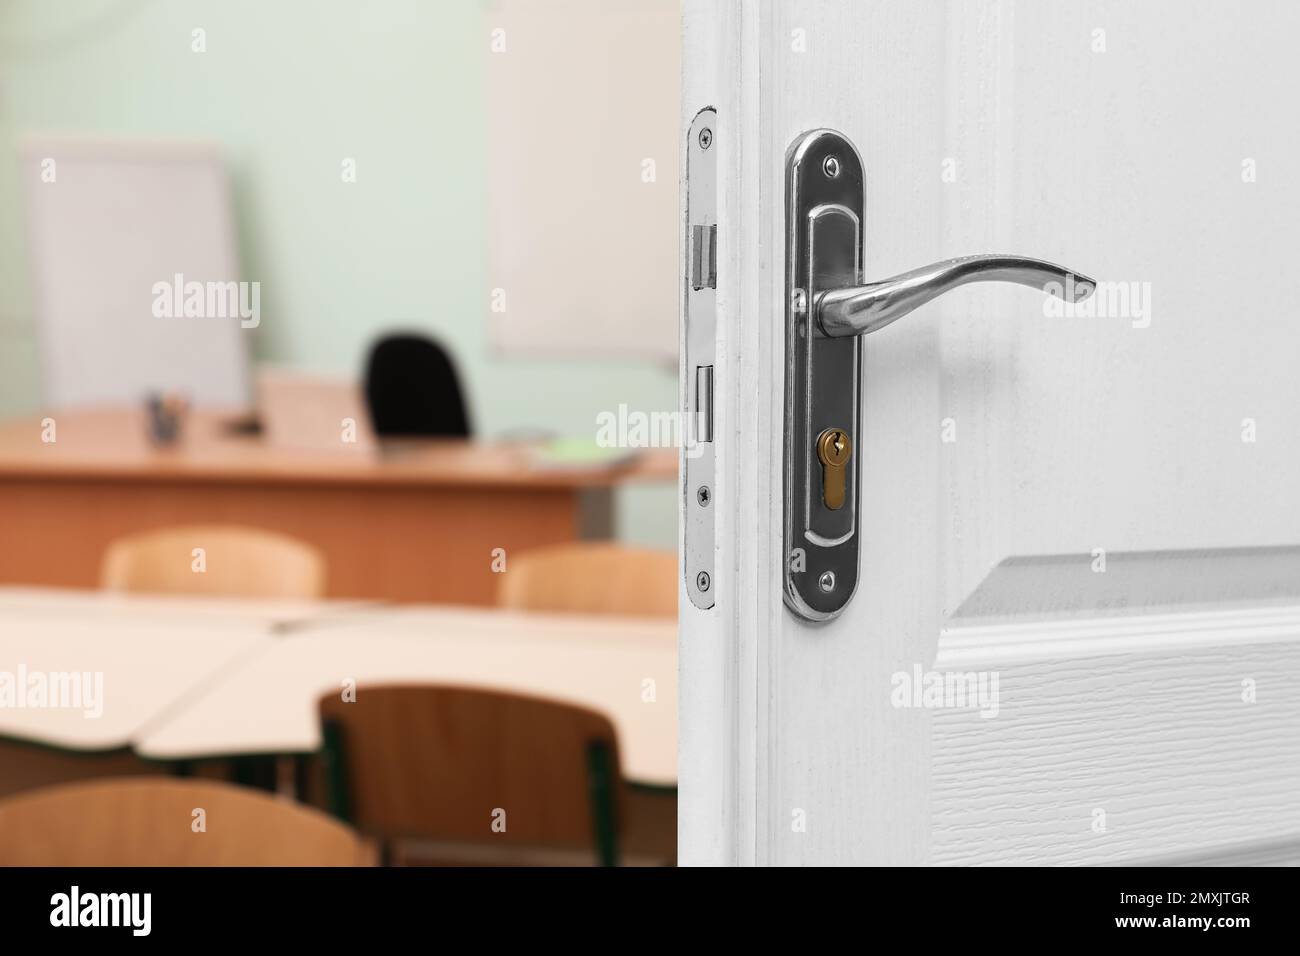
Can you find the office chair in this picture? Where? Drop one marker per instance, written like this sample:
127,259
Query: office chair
412,389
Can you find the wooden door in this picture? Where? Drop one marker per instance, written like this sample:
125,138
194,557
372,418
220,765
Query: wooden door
1092,514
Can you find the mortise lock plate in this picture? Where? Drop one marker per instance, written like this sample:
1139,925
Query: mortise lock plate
699,318
828,309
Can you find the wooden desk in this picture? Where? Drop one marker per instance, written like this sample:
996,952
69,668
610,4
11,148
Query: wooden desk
152,653
416,522
268,704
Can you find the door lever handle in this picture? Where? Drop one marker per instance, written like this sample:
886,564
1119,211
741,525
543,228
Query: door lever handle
827,306
859,310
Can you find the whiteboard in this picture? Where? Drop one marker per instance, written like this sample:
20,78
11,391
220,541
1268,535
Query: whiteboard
107,221
582,246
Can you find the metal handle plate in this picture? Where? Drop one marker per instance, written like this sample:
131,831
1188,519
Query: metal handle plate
823,386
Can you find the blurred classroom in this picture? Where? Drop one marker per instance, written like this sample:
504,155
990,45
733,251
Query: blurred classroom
333,530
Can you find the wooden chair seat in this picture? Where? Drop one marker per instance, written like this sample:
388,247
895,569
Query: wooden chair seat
149,821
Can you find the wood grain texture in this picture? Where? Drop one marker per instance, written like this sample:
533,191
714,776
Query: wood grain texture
1144,719
147,822
592,577
24,766
388,543
439,762
112,443
1115,433
236,562
416,522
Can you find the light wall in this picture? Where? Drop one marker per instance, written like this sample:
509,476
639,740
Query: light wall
291,89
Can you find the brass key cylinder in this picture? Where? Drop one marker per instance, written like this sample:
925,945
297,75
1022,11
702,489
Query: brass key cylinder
834,448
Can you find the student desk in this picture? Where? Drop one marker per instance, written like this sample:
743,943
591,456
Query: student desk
417,521
197,678
624,668
180,611
147,667
152,652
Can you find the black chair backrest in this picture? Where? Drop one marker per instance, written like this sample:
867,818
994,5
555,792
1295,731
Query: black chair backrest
412,389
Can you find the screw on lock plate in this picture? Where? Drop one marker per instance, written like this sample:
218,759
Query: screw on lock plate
834,448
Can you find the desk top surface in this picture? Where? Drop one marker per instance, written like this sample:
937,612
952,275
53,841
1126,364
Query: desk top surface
96,683
113,444
626,669
196,678
273,614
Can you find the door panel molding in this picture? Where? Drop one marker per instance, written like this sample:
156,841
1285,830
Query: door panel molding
1016,642
1145,726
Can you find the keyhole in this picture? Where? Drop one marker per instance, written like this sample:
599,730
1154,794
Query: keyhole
834,448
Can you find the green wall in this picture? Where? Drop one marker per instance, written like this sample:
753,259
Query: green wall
291,88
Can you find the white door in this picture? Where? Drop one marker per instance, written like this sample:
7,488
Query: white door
1095,515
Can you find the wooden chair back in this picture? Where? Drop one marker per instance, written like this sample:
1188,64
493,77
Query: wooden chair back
234,562
152,821
473,766
591,578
